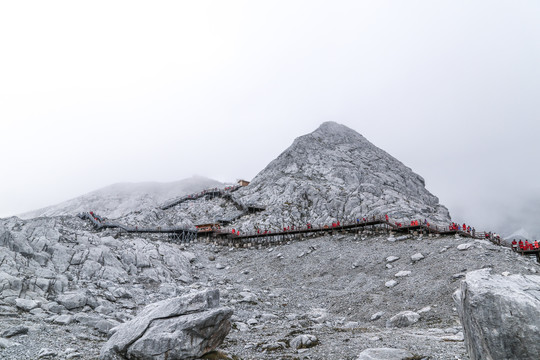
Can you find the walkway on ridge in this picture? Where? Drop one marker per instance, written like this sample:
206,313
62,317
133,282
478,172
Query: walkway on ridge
185,234
182,233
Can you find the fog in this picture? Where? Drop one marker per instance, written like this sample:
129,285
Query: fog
123,91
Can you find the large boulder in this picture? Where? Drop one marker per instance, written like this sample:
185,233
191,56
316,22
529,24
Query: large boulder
185,327
500,315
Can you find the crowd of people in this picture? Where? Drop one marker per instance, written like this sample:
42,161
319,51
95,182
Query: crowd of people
525,246
464,227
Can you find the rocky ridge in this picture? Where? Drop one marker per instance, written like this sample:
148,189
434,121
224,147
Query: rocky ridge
331,174
121,199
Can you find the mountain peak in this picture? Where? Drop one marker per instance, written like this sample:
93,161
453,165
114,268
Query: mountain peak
336,173
332,126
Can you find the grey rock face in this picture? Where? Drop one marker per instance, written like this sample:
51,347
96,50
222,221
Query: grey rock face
500,315
403,319
73,257
385,354
185,327
335,173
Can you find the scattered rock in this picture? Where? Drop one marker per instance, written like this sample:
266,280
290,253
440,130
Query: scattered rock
240,326
273,346
424,310
185,327
459,337
496,310
391,283
403,273
26,304
5,343
392,258
63,319
377,316
385,354
72,300
212,258
417,257
14,331
220,266
403,319
46,354
304,341
465,246
248,297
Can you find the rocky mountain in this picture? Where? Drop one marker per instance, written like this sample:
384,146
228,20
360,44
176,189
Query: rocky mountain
70,291
120,199
335,173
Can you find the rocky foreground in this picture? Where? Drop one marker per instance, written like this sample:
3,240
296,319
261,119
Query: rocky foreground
63,288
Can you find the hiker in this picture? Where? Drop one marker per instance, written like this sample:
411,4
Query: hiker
536,244
514,245
386,216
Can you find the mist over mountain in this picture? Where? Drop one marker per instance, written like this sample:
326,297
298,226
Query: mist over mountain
120,199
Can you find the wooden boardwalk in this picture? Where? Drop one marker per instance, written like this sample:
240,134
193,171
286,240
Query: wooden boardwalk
230,237
179,233
535,252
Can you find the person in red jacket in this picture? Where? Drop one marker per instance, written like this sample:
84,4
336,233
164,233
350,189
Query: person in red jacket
514,245
386,216
536,246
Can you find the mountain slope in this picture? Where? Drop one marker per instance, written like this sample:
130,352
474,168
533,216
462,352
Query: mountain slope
334,173
120,199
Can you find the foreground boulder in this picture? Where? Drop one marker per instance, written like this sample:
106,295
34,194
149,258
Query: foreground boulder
185,327
500,315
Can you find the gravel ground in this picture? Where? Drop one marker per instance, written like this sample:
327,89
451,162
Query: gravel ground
329,287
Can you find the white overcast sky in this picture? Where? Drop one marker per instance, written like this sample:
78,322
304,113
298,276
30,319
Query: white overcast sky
99,92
